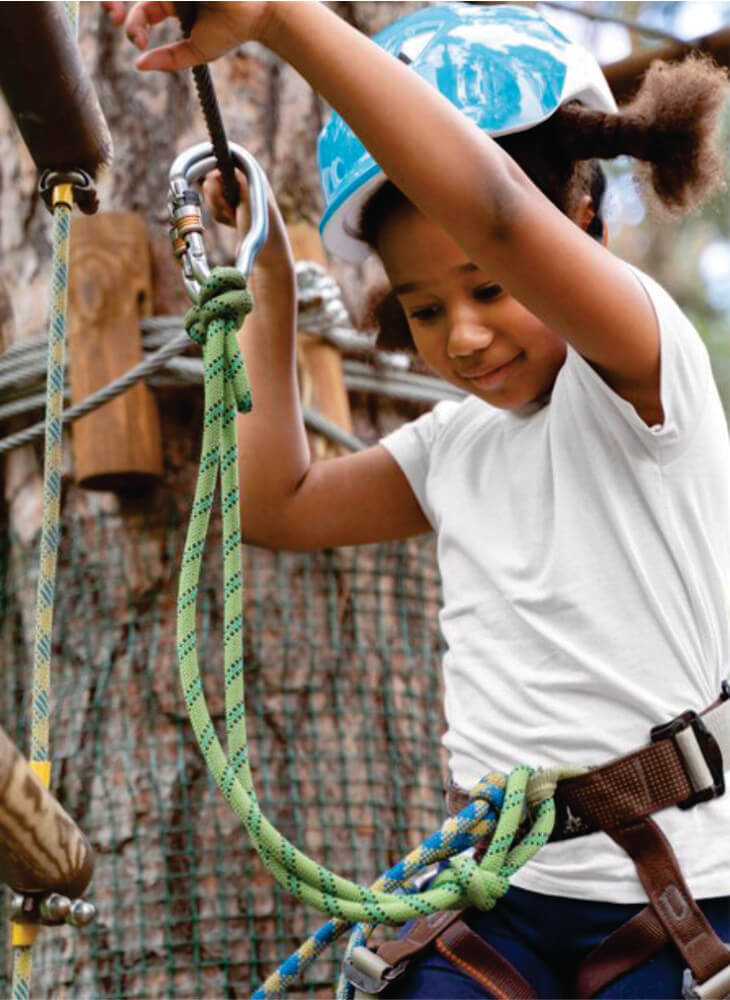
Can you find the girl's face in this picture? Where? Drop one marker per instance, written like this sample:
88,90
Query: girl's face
466,328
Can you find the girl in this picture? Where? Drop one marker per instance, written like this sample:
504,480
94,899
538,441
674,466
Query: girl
581,491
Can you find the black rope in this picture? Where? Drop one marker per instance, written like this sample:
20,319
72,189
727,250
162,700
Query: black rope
186,13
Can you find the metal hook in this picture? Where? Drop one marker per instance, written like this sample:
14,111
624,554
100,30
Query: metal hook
186,222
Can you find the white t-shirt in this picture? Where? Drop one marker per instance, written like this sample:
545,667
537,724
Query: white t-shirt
585,565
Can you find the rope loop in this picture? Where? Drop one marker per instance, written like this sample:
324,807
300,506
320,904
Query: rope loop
224,299
487,789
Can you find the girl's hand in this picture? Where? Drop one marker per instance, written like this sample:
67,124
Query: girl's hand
218,27
276,253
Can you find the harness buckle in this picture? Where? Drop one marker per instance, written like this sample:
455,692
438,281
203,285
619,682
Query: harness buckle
369,973
717,987
704,768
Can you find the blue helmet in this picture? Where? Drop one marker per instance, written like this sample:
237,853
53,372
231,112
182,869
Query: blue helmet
503,66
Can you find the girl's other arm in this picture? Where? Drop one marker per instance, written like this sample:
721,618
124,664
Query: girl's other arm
286,501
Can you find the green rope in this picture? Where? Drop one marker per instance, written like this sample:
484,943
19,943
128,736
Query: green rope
213,323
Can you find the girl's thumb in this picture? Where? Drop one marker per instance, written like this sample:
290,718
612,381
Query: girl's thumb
169,58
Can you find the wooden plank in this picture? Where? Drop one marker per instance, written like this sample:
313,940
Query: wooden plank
118,446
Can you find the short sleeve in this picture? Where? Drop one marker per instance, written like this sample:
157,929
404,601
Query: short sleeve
413,445
685,377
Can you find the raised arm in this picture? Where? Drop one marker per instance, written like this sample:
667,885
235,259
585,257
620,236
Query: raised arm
455,174
461,179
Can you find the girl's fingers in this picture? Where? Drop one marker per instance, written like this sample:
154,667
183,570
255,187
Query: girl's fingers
168,58
213,194
143,16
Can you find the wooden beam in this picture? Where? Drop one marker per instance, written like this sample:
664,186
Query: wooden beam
49,90
118,446
41,848
625,75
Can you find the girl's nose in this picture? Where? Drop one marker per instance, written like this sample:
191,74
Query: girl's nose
468,336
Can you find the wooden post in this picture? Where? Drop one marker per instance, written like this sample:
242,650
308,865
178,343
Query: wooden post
321,380
118,446
41,848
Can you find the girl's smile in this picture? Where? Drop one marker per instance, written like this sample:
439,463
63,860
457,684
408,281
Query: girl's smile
466,328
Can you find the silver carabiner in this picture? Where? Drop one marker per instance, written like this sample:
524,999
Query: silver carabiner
186,222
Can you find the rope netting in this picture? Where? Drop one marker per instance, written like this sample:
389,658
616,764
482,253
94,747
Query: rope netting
342,660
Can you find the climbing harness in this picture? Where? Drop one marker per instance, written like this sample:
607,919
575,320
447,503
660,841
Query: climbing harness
681,766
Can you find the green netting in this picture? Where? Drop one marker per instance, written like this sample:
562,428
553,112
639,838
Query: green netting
344,710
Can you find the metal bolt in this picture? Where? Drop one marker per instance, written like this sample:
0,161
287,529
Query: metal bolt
55,908
82,913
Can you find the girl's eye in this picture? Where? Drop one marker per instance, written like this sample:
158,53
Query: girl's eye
486,293
425,314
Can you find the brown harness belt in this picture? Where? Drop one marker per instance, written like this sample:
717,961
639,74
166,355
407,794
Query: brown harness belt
619,799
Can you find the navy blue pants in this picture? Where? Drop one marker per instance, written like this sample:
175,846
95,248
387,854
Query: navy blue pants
546,938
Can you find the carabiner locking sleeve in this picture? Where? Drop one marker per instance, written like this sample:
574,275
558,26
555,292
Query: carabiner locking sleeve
186,221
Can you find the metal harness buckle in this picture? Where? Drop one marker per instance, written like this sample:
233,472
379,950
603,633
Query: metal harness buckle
717,987
186,220
369,973
713,784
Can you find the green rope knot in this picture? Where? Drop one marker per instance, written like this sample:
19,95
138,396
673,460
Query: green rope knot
481,886
224,299
483,883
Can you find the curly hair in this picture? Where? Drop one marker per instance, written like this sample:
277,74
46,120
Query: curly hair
670,128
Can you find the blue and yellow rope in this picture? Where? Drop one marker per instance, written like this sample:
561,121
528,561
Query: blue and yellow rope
24,935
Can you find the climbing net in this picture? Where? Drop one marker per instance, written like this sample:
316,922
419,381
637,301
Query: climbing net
344,723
